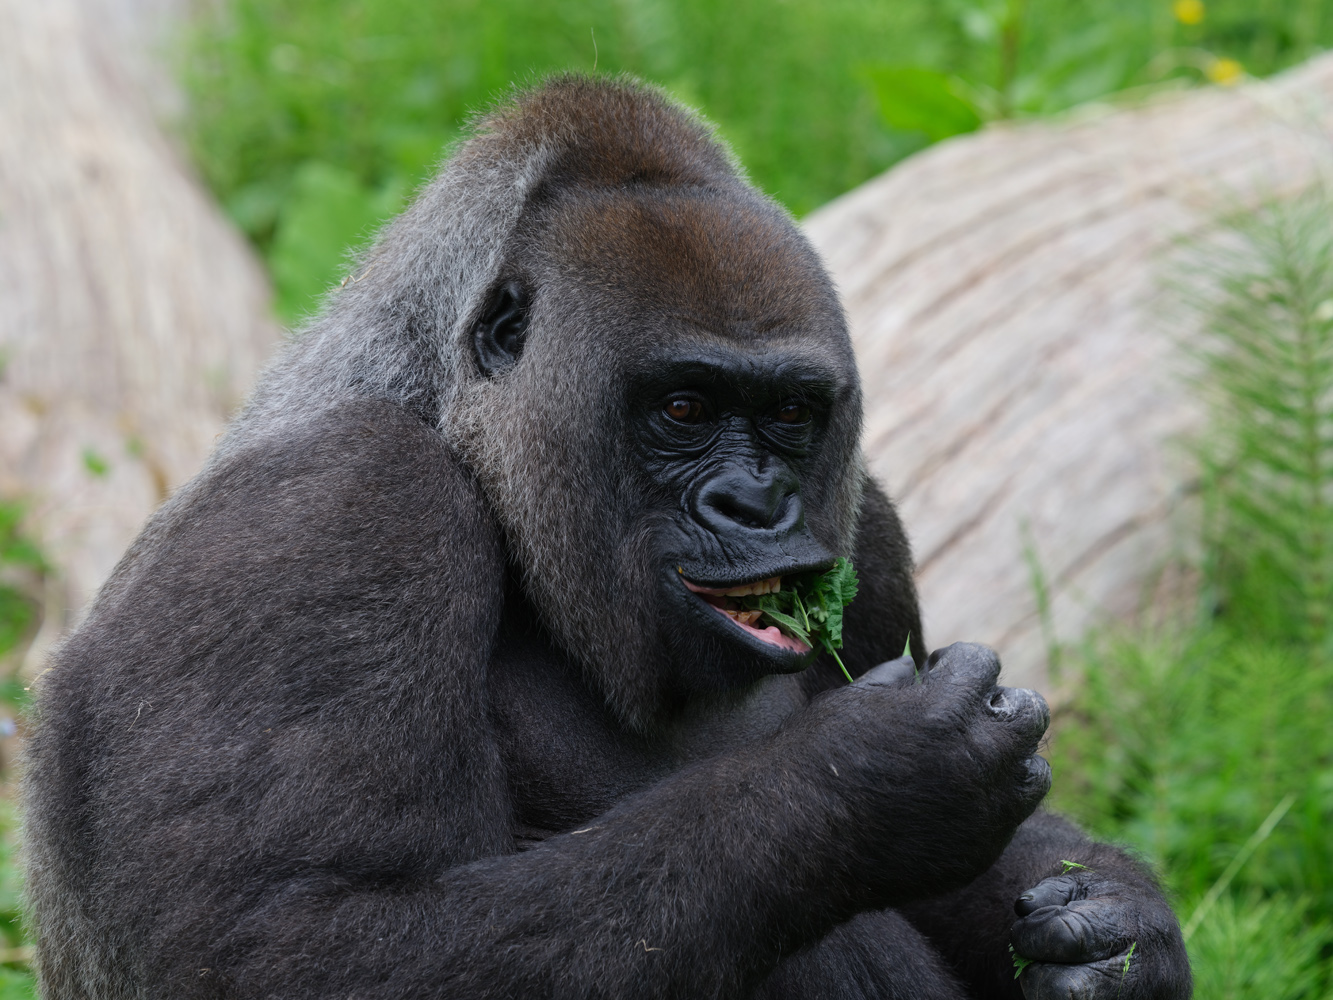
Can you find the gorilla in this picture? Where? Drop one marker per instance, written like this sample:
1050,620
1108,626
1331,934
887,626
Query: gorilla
428,685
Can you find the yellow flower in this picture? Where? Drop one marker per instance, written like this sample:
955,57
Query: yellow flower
1225,71
1188,11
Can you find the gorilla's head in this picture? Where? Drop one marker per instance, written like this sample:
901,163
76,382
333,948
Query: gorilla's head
650,374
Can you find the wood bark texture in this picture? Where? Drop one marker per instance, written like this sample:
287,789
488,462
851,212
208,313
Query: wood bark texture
1023,374
133,318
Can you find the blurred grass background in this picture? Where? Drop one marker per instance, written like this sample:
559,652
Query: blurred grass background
1207,744
314,120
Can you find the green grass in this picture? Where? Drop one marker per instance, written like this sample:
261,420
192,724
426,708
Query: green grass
313,120
21,569
16,981
1209,749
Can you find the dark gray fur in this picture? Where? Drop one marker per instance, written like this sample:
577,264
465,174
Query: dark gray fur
382,704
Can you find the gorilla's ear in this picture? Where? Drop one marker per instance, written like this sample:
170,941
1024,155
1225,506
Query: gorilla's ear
502,330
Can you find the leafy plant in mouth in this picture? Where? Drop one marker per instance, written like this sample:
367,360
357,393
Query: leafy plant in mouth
810,609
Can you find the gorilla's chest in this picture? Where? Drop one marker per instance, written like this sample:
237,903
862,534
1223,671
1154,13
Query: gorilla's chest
568,759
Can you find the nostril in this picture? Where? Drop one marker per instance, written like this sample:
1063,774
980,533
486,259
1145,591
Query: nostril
998,702
735,510
750,502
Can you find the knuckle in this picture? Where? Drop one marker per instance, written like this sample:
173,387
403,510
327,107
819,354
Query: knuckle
1024,708
966,663
891,673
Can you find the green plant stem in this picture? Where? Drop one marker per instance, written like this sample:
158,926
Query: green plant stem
1011,36
841,666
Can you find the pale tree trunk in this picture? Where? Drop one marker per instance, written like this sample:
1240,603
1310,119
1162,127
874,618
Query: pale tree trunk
1025,403
133,317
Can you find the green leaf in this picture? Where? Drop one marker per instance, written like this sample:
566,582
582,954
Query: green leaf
913,99
1020,963
95,463
811,608
789,625
1128,955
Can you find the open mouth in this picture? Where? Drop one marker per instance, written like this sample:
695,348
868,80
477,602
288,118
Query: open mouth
725,601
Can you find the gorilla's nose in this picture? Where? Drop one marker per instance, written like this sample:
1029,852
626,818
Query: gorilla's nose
767,500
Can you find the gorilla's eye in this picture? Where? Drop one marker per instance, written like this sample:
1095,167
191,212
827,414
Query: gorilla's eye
685,411
794,413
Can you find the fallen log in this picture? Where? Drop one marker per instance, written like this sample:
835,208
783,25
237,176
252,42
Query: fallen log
1024,398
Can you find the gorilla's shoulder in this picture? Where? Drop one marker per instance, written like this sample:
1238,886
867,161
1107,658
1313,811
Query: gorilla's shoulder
367,456
333,525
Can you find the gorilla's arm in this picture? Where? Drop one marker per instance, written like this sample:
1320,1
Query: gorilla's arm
265,767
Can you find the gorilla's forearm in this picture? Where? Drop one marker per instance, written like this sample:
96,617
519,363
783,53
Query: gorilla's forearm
971,926
627,908
694,888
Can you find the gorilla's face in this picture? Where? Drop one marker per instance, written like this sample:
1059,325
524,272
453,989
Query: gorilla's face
724,440
677,371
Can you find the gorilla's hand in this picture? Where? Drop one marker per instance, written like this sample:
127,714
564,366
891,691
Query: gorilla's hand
1092,937
931,773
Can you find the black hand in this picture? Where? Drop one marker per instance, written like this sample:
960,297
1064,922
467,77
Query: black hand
1096,938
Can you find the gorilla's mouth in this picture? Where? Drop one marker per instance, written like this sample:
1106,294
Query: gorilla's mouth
723,600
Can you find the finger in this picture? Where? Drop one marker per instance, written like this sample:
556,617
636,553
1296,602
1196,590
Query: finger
966,664
891,673
1086,930
1025,711
1056,891
1099,981
1037,780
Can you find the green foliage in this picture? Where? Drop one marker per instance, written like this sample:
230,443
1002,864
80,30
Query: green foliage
95,464
315,119
1182,748
1191,746
913,99
21,571
18,610
1252,948
16,982
326,211
1269,468
1020,963
811,609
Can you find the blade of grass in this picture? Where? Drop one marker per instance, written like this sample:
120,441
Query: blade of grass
1238,862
